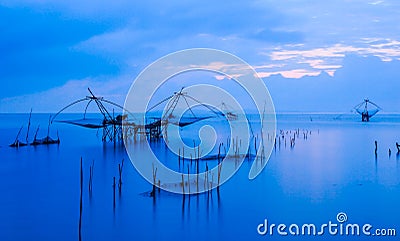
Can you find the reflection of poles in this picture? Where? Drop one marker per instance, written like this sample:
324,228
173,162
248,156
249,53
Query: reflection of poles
120,168
188,179
80,204
183,205
91,179
114,192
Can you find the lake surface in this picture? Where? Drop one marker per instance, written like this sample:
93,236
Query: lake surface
332,168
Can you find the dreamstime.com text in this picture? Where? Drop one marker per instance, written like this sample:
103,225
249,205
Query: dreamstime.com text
334,228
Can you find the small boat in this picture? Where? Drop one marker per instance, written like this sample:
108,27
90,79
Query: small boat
17,143
42,141
367,109
229,114
45,141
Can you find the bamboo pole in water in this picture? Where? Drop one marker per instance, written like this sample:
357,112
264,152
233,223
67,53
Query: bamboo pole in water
179,158
206,177
183,185
188,178
255,149
194,149
29,126
219,174
153,193
237,146
212,182
219,151
197,176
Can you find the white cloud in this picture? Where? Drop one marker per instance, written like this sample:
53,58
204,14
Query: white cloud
376,2
320,64
291,74
268,66
330,58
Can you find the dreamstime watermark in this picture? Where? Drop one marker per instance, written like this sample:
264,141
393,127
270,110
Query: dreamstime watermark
218,62
339,227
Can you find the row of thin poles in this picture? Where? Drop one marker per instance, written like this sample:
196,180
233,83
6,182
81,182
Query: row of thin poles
90,189
397,145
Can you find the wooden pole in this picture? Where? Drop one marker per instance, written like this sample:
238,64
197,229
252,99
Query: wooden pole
183,185
29,126
188,178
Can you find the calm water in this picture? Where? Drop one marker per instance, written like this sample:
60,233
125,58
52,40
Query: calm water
333,170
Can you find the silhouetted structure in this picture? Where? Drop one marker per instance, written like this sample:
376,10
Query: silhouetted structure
367,109
111,125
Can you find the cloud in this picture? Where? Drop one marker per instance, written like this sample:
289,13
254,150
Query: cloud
295,89
320,64
376,2
330,58
52,100
359,78
291,74
335,51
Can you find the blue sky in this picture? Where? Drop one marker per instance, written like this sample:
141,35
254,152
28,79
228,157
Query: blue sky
313,55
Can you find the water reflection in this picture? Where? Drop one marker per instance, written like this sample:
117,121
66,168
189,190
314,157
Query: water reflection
197,206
